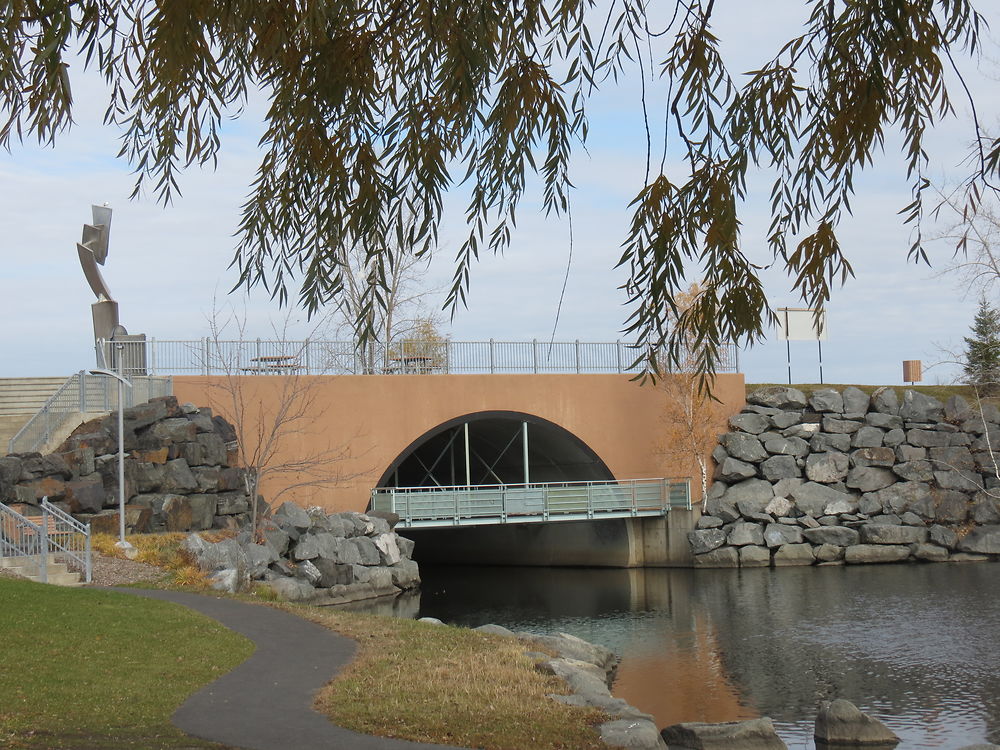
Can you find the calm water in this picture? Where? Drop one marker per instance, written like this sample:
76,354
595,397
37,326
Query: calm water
918,646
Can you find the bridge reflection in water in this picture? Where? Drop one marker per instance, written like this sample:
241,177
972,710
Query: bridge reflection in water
437,507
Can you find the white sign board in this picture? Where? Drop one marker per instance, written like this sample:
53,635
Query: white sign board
799,324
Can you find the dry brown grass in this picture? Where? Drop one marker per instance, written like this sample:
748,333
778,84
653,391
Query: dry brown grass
434,683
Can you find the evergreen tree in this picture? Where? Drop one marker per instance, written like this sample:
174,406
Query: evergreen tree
982,349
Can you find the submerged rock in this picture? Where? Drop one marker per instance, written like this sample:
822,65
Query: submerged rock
842,724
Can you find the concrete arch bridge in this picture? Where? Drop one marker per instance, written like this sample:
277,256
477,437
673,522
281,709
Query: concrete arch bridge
546,469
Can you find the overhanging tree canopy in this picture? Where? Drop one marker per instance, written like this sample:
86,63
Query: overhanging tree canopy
377,107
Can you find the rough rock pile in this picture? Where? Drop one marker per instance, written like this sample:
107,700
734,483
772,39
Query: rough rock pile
179,473
844,477
312,556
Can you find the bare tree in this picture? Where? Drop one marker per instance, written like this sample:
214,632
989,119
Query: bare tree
269,412
384,303
974,230
690,417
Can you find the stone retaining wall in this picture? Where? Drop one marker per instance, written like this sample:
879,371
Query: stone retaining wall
847,478
179,472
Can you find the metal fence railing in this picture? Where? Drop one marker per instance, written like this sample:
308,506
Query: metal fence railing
521,503
68,538
52,536
20,538
81,393
209,356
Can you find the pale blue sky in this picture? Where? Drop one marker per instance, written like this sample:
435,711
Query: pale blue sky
166,264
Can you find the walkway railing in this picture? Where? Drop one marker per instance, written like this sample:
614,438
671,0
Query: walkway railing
424,507
52,535
19,537
67,538
82,393
317,357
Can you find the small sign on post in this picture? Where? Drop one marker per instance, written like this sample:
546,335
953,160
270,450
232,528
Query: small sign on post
912,371
802,324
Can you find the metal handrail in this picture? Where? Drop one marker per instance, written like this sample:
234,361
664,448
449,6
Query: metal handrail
404,357
79,394
545,501
20,537
68,537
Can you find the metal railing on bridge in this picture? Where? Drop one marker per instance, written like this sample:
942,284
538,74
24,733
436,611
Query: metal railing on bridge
319,357
426,507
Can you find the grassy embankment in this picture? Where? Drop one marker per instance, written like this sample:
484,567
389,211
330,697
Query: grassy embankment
94,669
410,680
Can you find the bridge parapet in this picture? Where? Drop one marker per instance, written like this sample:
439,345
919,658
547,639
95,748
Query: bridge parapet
320,357
482,505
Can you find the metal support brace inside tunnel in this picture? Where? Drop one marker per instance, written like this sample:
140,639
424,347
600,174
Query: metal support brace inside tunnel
488,445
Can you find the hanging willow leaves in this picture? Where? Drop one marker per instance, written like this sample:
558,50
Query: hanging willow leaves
378,107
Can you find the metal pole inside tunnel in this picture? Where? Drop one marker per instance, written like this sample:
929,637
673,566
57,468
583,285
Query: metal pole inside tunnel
468,466
524,445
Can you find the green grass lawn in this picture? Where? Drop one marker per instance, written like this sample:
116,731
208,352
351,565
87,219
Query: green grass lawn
93,669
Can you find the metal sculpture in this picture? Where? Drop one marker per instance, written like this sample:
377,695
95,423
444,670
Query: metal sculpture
93,250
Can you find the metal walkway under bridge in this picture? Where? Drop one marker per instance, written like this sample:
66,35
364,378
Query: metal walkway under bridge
481,505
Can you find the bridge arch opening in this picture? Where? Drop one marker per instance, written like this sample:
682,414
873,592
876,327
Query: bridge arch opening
495,447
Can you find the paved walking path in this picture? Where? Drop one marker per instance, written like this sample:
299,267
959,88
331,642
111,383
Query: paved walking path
266,702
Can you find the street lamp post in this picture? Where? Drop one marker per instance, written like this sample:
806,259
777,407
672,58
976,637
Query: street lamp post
121,543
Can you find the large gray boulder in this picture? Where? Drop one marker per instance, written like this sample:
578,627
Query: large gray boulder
635,733
841,426
777,468
723,557
884,421
823,442
778,534
405,574
813,498
885,401
841,536
752,423
291,589
733,470
778,397
841,723
743,533
787,446
749,490
875,553
827,400
868,437
794,554
869,478
290,514
755,734
706,540
215,556
919,407
752,556
877,533
744,446
827,467
983,540
855,402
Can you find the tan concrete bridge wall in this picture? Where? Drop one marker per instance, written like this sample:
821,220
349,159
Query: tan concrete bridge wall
372,419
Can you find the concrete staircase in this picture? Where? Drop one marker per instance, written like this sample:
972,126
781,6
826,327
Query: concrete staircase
58,573
20,399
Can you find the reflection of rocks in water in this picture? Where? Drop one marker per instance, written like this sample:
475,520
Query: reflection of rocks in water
406,606
915,643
